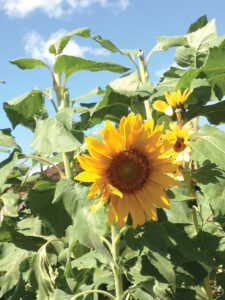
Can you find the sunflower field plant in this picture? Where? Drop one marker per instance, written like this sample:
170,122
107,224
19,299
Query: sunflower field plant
135,211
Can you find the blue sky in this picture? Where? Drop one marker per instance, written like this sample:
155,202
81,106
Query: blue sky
29,26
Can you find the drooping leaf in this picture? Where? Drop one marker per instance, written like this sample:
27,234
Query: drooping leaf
7,140
52,136
61,43
6,167
21,110
28,63
209,143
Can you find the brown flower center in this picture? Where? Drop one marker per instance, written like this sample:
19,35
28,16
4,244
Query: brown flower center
128,171
180,145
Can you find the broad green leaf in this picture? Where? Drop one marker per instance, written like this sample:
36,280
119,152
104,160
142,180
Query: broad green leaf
65,117
214,113
164,266
94,92
168,82
52,136
72,64
10,235
186,80
7,140
28,63
215,67
12,275
104,276
30,226
214,189
22,109
199,41
6,167
53,216
88,261
69,194
201,22
10,201
140,294
61,43
209,144
106,43
129,85
166,42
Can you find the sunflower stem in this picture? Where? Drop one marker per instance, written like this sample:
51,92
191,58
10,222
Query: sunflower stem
62,103
178,112
116,234
144,78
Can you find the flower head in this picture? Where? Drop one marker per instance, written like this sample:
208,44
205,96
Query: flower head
174,100
179,137
131,169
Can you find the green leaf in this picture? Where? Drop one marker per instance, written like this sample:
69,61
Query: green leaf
215,113
201,22
10,201
65,117
209,143
10,235
61,43
72,64
106,43
28,63
53,216
215,67
44,275
69,194
13,259
88,261
199,41
7,140
213,188
22,109
186,80
6,167
103,276
94,92
165,42
52,136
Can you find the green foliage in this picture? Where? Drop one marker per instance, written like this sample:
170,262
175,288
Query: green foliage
52,246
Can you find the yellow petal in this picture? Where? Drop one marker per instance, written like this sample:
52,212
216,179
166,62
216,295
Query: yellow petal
160,105
86,176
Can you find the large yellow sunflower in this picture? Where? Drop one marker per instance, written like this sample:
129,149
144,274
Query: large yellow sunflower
174,100
179,137
131,169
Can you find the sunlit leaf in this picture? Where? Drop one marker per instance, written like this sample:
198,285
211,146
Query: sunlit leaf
7,140
28,63
209,143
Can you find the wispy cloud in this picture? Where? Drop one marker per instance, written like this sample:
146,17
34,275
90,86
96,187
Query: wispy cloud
55,8
37,47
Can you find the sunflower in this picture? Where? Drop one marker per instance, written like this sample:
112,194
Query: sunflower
130,168
174,100
179,137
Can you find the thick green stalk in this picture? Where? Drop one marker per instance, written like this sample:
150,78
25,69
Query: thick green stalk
144,78
116,269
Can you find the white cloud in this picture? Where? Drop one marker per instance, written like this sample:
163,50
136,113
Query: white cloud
55,8
37,47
